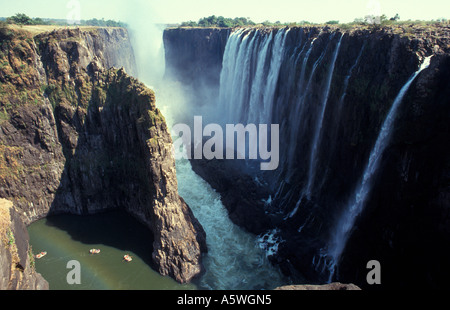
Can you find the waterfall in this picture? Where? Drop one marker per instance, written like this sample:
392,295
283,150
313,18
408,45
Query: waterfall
232,91
318,129
349,75
258,81
235,259
312,82
293,116
300,107
250,70
356,204
272,77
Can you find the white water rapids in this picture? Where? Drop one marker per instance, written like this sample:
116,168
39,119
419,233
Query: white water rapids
236,259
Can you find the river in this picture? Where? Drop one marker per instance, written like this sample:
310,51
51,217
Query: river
235,259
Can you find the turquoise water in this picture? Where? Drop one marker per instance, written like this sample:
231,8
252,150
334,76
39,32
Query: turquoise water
70,237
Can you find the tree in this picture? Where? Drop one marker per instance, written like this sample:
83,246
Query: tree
214,21
39,21
20,19
189,24
395,18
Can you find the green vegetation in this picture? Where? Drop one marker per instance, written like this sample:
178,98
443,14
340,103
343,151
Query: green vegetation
102,23
222,22
367,21
4,116
11,239
31,258
5,32
23,19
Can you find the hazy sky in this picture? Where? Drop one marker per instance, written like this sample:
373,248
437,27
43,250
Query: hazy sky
172,11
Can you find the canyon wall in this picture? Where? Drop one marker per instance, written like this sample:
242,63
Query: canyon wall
331,91
17,270
78,135
194,61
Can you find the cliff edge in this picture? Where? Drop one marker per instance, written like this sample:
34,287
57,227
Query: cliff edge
80,136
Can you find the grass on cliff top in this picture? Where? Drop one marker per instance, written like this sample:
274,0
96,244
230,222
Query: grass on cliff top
38,29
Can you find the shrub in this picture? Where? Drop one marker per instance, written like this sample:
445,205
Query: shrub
5,32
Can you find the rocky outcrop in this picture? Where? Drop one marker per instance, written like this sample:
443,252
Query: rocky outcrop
16,258
336,286
31,157
89,138
243,197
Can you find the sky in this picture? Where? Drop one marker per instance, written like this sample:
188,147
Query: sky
176,11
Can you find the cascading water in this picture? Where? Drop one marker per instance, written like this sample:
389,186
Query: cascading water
250,76
349,75
235,259
251,66
300,110
293,116
356,204
318,129
313,82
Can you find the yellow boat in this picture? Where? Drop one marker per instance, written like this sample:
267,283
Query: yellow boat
127,258
40,255
94,251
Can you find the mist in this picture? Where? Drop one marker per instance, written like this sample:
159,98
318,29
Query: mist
178,101
146,34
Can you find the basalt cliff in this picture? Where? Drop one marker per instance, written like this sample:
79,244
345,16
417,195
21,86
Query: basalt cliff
79,134
364,155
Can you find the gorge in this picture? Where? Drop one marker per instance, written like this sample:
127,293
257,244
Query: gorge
80,136
364,162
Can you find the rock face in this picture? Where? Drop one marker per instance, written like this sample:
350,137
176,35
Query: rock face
195,55
16,259
194,58
83,137
327,287
404,221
